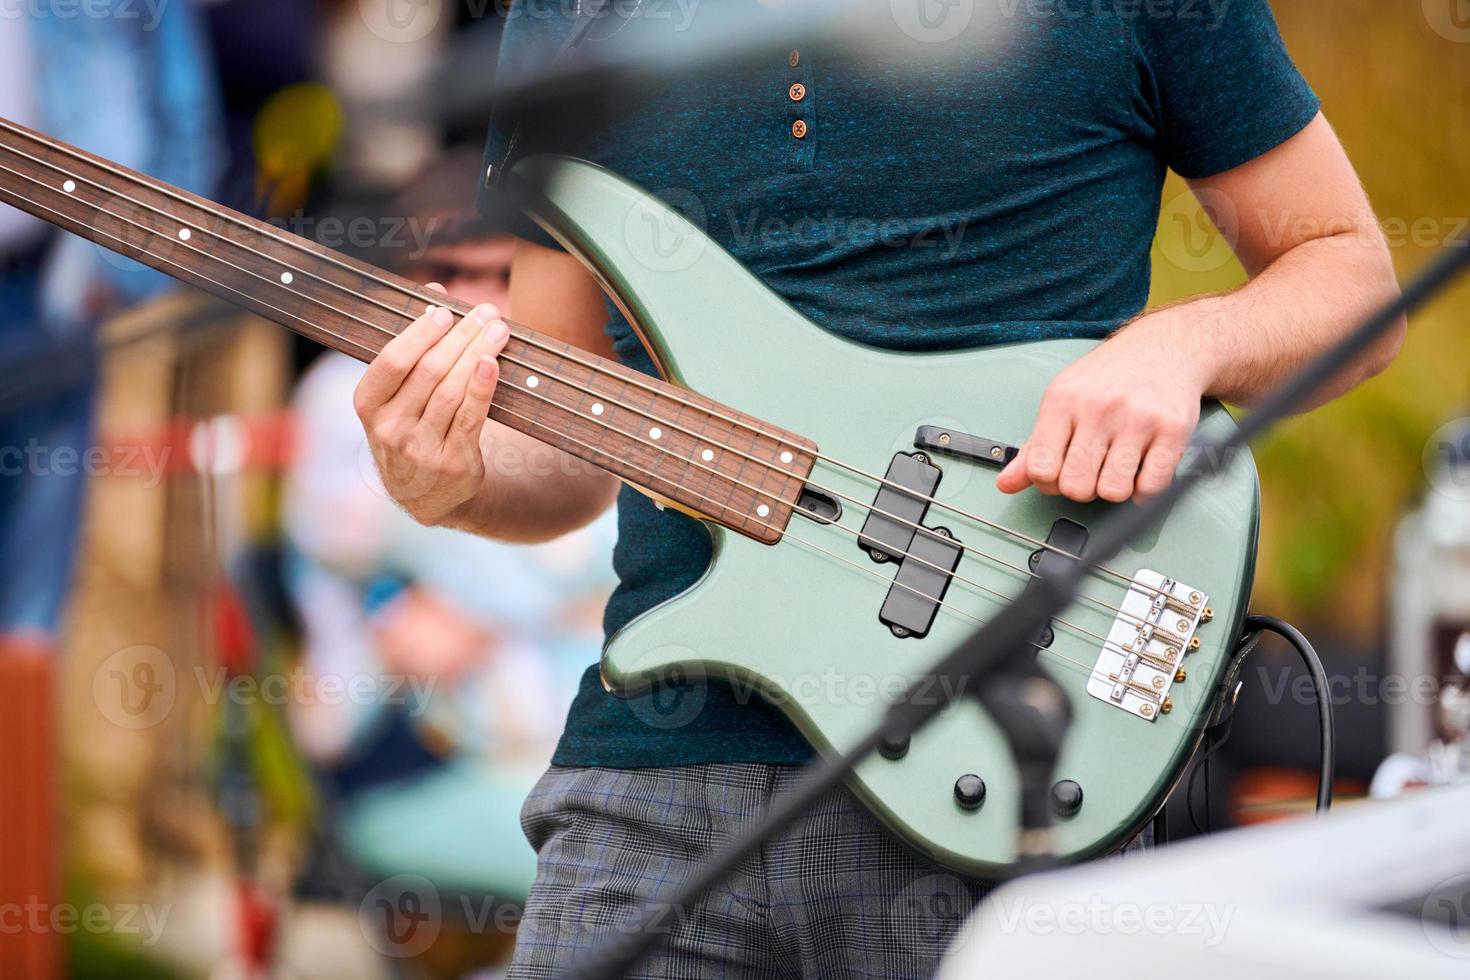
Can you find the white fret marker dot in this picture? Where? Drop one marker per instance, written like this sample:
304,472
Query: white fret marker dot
787,457
655,433
707,455
185,234
763,511
597,408
69,186
429,310
532,381
286,278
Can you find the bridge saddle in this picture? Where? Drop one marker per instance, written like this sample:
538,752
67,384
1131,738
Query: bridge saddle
1146,646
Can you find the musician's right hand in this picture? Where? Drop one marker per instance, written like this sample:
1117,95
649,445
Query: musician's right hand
423,403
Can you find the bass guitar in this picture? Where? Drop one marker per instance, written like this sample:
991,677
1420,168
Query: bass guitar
849,491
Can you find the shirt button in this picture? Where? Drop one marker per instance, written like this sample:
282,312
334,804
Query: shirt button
797,92
794,58
798,129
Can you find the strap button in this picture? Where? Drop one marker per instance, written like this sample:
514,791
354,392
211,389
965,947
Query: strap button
969,791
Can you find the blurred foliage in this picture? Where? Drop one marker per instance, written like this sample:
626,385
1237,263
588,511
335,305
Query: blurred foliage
1335,481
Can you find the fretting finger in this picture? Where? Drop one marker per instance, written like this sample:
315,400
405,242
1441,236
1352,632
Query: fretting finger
470,419
448,398
388,371
436,364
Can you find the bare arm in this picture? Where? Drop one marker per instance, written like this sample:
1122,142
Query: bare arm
1116,422
423,404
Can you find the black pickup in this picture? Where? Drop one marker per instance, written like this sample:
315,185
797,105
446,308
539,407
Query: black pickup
900,506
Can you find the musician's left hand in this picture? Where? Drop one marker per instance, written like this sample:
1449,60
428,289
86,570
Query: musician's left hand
1115,423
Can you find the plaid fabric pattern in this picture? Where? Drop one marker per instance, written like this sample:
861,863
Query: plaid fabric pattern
834,896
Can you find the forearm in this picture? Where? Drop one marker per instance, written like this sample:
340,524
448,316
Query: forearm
532,492
1249,341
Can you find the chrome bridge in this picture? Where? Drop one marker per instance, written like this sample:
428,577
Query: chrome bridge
1144,653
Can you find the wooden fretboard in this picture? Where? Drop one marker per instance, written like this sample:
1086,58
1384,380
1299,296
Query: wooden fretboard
710,459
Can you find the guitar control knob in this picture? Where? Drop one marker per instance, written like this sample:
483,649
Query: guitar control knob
1066,797
893,747
969,791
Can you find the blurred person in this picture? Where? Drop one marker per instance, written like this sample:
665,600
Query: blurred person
1046,159
133,86
474,648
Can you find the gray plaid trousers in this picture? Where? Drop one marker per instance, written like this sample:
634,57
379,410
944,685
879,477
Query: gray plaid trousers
834,896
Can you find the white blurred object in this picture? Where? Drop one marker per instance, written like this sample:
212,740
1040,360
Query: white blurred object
1430,589
1376,890
380,58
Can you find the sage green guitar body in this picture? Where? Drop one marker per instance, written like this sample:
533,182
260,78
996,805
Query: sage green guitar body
798,621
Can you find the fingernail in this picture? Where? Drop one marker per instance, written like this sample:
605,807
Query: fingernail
485,368
484,313
442,316
496,331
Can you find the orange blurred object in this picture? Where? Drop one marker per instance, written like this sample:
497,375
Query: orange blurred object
30,875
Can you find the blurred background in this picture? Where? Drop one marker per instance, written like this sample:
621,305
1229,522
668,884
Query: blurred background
296,728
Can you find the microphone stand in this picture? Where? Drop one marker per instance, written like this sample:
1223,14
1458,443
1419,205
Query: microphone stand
1030,709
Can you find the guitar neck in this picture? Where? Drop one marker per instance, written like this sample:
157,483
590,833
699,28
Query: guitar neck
704,457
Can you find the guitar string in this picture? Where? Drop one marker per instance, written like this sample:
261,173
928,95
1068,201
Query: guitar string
942,604
673,393
632,410
1089,671
1065,661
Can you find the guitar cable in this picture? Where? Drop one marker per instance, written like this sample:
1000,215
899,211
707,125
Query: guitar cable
1221,723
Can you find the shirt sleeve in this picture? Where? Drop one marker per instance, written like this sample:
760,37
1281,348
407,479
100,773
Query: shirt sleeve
1225,88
